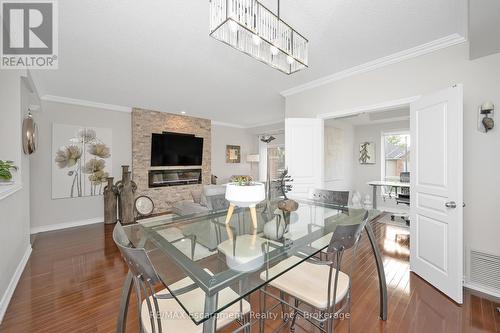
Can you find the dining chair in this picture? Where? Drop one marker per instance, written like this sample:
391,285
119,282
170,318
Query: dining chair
337,199
159,311
322,285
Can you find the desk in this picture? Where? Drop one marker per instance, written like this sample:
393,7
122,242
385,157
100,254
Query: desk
173,260
379,183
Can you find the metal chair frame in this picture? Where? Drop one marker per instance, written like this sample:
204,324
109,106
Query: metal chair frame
344,237
145,277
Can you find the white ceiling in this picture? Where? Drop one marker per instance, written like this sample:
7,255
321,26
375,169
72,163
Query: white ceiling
157,53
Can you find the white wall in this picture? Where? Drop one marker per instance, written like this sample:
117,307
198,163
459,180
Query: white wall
225,135
339,166
14,209
426,74
50,214
364,173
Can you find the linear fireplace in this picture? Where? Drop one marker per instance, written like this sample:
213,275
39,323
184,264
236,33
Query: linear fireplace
174,177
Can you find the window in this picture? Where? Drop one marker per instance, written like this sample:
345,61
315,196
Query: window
396,155
276,158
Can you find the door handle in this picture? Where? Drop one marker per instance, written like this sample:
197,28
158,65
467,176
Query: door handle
451,204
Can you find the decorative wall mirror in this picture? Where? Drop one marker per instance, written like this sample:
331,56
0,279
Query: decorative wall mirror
30,134
144,206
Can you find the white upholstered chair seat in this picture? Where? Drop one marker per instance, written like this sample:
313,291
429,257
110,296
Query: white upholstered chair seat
308,282
322,242
175,319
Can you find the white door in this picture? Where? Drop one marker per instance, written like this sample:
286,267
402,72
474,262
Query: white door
304,154
436,195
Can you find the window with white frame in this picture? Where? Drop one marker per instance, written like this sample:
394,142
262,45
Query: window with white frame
276,160
396,155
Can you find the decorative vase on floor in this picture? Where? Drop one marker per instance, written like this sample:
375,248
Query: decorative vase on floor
126,188
110,202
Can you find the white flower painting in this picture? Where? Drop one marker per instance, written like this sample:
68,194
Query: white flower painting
81,160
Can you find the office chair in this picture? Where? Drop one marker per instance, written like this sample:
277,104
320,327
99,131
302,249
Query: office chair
403,197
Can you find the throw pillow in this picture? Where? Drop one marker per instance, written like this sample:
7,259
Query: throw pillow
196,196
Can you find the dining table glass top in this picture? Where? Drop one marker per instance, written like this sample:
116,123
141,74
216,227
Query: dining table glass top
224,262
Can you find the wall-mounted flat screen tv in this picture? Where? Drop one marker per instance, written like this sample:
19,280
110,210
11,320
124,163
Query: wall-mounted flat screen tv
175,149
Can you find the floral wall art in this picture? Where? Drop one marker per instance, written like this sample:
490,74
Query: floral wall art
81,160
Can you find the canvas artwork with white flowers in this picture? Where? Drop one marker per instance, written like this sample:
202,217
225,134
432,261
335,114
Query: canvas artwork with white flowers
81,160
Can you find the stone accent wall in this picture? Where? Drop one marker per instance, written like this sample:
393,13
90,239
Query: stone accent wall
146,122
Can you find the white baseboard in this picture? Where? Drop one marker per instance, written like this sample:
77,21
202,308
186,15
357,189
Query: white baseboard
481,289
59,226
4,303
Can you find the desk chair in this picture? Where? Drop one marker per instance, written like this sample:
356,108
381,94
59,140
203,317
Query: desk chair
403,197
156,307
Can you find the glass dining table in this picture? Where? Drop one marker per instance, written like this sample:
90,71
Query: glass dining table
216,255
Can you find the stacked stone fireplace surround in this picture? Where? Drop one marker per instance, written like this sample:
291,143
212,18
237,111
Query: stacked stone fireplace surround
146,122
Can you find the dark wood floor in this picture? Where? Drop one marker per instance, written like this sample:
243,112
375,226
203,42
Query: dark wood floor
73,280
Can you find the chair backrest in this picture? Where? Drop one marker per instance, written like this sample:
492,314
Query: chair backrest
339,198
346,236
217,202
144,277
404,177
136,258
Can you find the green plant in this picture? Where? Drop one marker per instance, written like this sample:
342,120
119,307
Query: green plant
243,180
5,169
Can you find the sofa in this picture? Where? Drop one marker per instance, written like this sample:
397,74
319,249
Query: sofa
200,202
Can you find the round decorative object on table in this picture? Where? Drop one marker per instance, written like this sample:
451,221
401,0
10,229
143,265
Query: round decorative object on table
144,205
274,229
29,135
288,206
245,196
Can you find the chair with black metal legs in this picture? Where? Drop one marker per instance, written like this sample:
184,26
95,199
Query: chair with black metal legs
320,285
159,312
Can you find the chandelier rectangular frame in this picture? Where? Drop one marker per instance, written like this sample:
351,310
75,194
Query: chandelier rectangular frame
250,27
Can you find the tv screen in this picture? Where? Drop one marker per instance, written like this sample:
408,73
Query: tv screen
172,149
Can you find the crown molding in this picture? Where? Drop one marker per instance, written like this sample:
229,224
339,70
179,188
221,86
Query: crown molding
394,58
275,122
221,123
90,104
384,106
119,108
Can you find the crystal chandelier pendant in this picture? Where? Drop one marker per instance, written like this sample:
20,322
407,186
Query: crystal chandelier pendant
248,26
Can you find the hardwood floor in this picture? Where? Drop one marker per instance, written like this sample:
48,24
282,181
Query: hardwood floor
73,280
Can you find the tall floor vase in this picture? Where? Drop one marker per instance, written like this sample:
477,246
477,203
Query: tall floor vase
110,202
126,188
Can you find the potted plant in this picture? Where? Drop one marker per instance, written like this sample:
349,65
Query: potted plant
243,180
5,171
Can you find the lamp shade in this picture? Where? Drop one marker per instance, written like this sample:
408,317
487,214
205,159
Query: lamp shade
253,158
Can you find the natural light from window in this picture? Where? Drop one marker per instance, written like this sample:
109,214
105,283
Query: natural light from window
396,155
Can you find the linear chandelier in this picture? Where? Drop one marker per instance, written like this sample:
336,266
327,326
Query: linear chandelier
251,28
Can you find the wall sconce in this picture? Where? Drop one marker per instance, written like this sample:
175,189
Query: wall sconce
485,119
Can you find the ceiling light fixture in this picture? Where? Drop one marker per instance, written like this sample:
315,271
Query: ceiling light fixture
251,28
